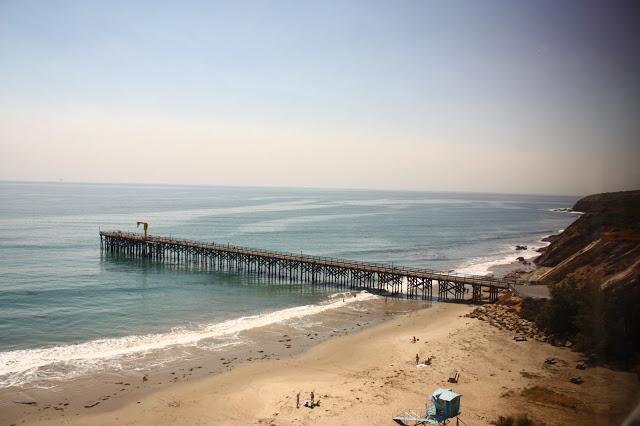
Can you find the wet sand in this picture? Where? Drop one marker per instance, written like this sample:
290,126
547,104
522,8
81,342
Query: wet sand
114,388
369,376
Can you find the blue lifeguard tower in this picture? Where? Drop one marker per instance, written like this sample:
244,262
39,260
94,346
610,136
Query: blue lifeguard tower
443,405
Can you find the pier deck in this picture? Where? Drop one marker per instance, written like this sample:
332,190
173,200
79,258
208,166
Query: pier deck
375,277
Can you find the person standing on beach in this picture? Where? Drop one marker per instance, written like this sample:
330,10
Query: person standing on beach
312,397
417,359
298,400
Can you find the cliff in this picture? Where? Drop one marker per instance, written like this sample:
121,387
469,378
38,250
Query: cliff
602,245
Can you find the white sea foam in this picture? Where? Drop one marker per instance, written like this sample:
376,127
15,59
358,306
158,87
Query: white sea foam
564,210
21,366
483,265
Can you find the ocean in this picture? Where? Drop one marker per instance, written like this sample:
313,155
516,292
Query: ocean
66,309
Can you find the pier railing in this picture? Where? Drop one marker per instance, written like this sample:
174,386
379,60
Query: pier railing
385,270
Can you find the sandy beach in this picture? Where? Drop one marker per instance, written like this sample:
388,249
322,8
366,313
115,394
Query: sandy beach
370,376
319,213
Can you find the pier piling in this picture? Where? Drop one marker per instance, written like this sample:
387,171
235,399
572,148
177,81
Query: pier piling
391,280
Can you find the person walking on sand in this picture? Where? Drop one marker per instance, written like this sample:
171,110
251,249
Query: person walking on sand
417,359
312,397
298,400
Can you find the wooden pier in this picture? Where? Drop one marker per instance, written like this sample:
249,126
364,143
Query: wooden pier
391,280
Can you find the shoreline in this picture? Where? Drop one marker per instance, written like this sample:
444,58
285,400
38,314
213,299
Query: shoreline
58,353
509,263
129,381
524,270
113,387
124,351
524,266
118,389
370,376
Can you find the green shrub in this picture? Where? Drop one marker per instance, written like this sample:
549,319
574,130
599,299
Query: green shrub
602,322
558,315
531,309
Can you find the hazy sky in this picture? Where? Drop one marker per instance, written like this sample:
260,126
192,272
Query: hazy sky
512,96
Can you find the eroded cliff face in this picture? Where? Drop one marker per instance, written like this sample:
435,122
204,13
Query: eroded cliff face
603,244
594,269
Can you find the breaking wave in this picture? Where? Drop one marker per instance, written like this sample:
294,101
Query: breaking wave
66,361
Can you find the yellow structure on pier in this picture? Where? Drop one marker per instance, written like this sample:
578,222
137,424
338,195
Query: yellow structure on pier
145,226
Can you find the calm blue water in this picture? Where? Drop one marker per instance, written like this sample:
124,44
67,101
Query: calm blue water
56,289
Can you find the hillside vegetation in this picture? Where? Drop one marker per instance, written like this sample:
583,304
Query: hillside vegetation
593,269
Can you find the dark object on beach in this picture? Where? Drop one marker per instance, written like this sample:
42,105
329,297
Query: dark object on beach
26,402
145,378
581,365
558,341
520,259
312,404
520,420
454,376
520,338
92,405
551,361
521,247
576,380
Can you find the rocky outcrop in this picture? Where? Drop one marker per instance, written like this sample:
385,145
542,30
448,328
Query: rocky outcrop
505,315
593,269
504,319
602,244
623,203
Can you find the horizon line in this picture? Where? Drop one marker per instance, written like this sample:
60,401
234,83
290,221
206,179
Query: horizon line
346,189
